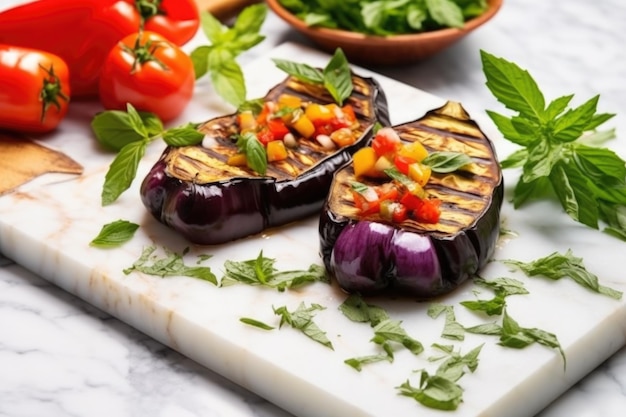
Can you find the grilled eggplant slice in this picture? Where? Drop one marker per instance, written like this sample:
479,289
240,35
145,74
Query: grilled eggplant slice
372,256
194,190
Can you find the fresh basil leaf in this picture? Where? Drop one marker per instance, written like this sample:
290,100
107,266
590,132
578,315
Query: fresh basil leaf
256,154
446,13
434,392
302,319
444,162
571,125
302,72
338,78
599,163
200,59
250,19
122,171
227,77
357,363
356,309
508,130
213,29
182,136
575,193
114,129
115,234
515,160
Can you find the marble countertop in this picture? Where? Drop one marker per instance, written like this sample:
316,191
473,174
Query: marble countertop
60,356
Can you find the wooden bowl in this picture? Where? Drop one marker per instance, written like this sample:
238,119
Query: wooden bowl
384,50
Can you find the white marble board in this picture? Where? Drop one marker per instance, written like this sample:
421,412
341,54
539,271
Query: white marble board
46,226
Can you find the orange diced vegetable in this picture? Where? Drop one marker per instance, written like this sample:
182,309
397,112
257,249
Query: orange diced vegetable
363,161
246,121
419,173
276,151
237,160
289,100
303,125
319,113
343,137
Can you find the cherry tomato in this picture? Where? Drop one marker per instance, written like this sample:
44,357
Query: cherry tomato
34,89
149,72
386,142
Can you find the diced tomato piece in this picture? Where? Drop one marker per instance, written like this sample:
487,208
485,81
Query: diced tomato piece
387,191
348,112
343,137
400,213
278,128
429,211
402,163
386,142
411,201
265,136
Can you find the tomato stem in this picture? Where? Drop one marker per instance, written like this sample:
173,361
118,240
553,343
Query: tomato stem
50,91
143,53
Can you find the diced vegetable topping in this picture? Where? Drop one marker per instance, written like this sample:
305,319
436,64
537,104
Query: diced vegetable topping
281,124
404,197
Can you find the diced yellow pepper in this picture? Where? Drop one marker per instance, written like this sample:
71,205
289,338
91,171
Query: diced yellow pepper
237,160
289,100
303,125
413,150
363,161
318,112
419,173
246,121
276,151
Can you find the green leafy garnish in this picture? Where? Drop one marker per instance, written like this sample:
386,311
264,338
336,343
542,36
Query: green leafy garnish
445,162
336,77
556,266
384,18
512,335
302,319
502,288
387,332
560,153
227,43
130,132
261,271
169,266
452,328
115,234
256,155
441,391
256,323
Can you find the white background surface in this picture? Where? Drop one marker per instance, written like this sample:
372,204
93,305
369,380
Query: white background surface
60,356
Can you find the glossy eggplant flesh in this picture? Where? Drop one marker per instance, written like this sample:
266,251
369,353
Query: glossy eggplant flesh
371,256
193,189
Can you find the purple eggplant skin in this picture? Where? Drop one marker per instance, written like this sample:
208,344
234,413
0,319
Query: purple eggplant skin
371,257
234,206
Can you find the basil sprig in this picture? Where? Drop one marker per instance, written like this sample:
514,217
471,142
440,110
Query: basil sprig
560,151
335,77
227,43
256,155
115,234
130,133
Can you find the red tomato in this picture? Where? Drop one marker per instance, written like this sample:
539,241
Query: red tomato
149,72
386,142
34,89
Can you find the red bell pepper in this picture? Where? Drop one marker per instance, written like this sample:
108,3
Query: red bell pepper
82,32
175,20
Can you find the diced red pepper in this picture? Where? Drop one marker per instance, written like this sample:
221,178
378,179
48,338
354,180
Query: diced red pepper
278,128
386,142
429,211
265,136
402,163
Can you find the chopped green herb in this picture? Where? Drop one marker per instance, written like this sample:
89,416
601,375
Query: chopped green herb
502,288
556,266
302,319
452,329
444,162
256,323
169,266
256,155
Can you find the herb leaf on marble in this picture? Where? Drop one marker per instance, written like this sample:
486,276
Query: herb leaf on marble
256,323
556,266
170,265
502,288
452,329
115,234
129,133
561,155
441,390
387,332
302,319
261,271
